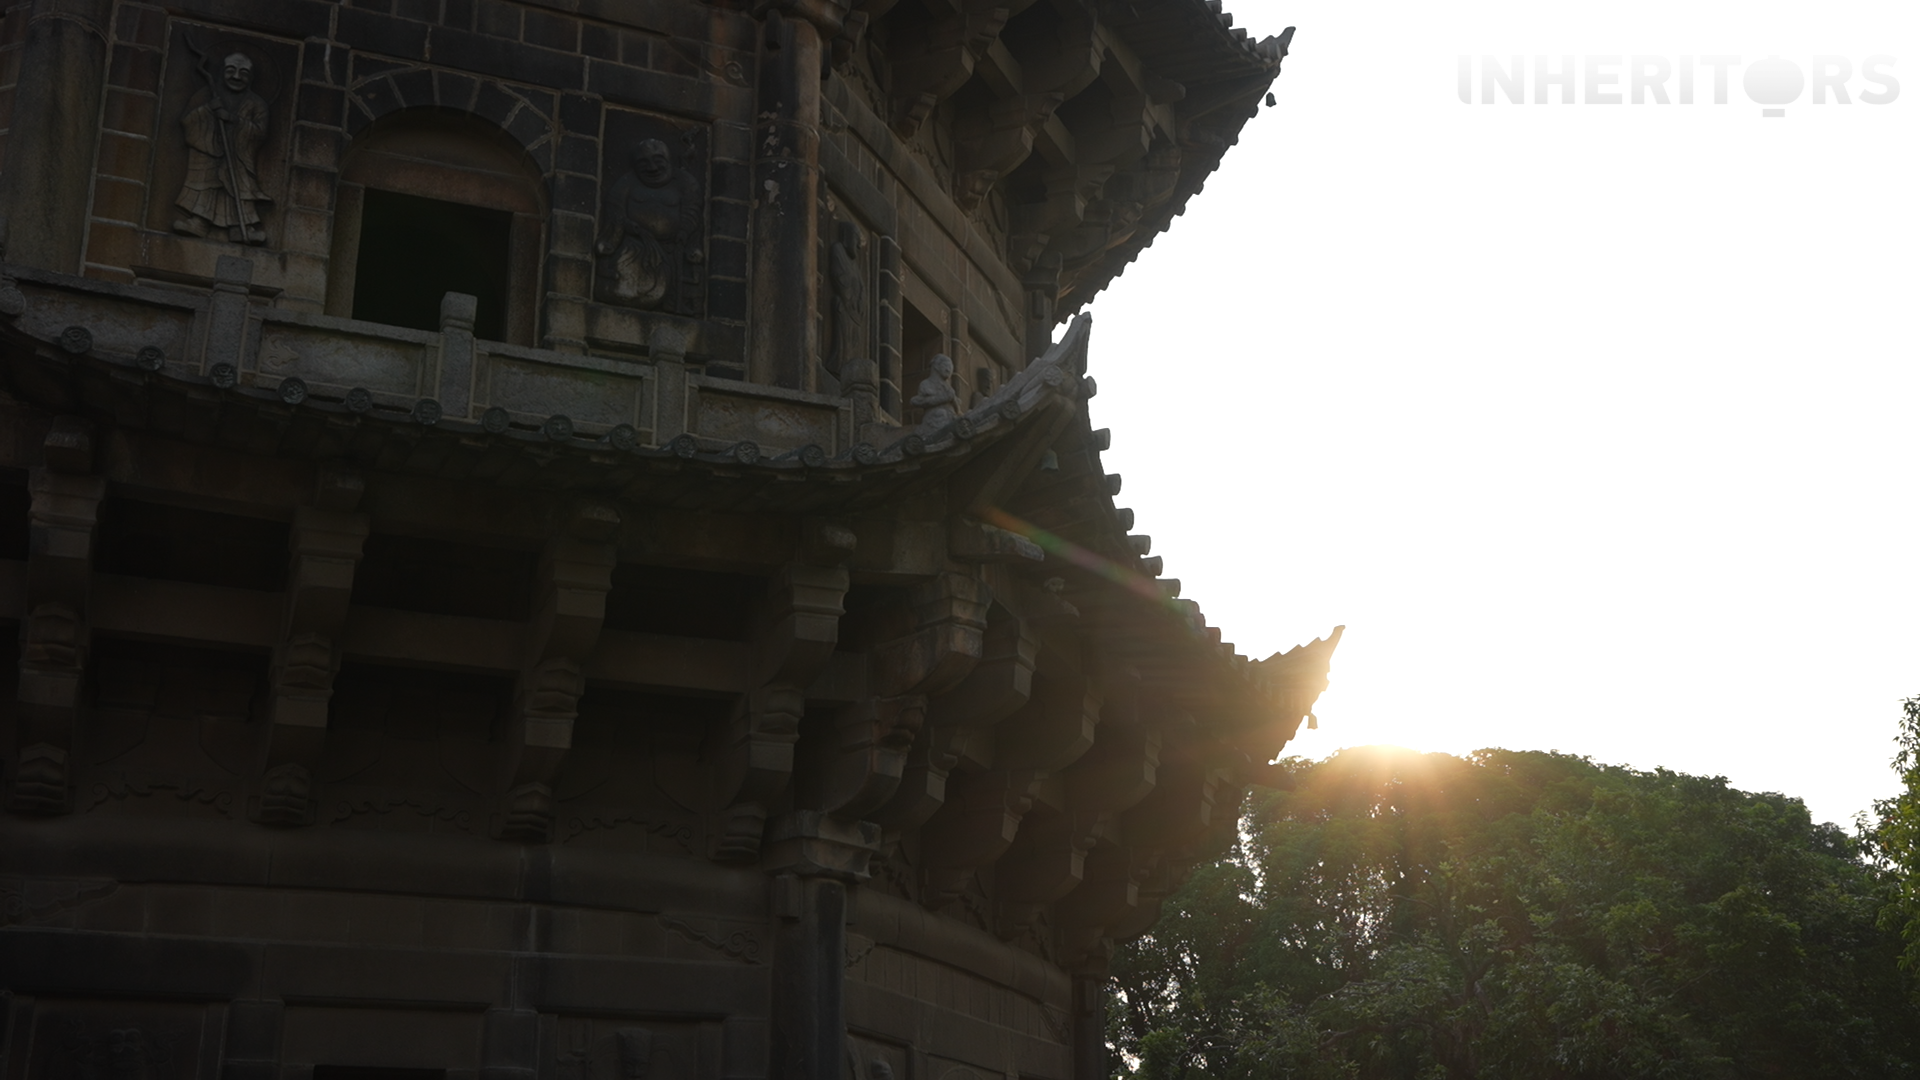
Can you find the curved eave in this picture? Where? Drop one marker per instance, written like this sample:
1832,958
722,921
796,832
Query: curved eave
1225,75
992,450
1249,709
687,473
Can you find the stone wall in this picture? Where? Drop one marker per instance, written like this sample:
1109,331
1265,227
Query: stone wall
573,90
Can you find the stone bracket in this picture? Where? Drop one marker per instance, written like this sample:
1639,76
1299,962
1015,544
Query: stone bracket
808,843
574,576
998,685
325,547
54,636
752,761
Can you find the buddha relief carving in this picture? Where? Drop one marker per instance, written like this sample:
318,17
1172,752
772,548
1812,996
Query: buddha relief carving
651,239
224,124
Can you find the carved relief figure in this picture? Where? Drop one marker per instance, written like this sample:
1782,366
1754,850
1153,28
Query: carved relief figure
653,232
83,1050
936,395
224,126
849,296
636,1053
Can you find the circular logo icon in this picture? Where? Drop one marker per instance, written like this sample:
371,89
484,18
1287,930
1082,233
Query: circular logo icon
1774,81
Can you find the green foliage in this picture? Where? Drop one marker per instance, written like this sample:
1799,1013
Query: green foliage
1894,839
1523,916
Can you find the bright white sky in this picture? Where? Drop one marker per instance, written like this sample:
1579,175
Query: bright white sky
1598,426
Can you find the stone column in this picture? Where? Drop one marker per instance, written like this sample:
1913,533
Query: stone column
56,117
785,286
1089,1025
813,859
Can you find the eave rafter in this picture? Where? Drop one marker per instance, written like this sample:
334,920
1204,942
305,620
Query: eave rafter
1087,124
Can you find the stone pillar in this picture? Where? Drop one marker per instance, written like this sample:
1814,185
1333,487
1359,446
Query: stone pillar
887,352
809,1031
227,314
455,388
56,117
813,859
784,312
1089,1026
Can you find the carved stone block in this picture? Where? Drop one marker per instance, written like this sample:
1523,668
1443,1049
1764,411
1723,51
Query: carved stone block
123,1040
39,781
651,245
225,128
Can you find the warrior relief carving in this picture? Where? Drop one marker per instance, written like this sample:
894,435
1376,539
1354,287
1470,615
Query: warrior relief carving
849,314
653,231
224,125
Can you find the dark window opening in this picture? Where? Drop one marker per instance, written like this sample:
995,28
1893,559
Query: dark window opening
177,680
408,703
15,503
685,603
173,543
613,719
415,250
439,577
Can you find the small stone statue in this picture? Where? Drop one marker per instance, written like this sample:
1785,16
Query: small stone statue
849,296
636,1053
656,211
936,395
225,124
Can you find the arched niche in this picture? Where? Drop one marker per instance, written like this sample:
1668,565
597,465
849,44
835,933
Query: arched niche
432,201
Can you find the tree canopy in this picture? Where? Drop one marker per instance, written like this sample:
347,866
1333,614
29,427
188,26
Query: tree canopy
1893,838
1519,915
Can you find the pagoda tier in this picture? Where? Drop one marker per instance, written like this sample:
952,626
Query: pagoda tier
563,541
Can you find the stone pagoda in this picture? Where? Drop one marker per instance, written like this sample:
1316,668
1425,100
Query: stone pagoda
561,539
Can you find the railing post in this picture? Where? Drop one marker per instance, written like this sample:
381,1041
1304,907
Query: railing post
227,313
456,354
